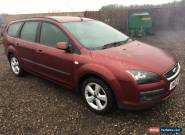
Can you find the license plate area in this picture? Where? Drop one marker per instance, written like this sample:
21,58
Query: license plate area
174,83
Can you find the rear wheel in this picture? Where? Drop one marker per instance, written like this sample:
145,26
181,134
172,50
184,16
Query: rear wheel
97,95
15,66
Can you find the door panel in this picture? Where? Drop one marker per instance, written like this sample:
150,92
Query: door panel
55,64
27,45
52,62
27,53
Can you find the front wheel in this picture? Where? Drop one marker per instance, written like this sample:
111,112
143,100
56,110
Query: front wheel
97,95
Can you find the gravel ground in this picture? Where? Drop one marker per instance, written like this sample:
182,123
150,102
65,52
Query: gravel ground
32,106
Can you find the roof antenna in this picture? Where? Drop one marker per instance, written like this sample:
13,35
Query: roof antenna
81,18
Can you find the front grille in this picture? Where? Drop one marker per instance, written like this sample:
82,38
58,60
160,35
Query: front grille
173,72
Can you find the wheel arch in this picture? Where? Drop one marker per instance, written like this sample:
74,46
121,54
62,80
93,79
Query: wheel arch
88,75
9,54
10,51
95,75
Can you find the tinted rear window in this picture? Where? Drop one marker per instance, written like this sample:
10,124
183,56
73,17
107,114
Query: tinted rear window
13,29
29,31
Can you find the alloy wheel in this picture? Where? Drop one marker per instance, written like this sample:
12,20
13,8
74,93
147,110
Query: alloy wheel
95,96
15,65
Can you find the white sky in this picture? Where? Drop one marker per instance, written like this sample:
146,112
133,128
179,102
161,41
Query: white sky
36,6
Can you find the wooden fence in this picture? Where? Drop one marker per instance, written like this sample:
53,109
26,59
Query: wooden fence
163,17
117,19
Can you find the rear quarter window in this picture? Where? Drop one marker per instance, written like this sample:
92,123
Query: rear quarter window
14,28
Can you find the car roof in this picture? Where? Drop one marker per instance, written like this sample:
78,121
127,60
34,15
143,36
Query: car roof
64,19
61,19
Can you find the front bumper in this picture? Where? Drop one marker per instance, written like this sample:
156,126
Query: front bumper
145,104
148,95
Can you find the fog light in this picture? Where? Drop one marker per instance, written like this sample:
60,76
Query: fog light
151,95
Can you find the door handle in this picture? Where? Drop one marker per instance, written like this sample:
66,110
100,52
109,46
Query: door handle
39,51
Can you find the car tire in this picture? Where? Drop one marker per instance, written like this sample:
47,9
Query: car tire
15,66
98,96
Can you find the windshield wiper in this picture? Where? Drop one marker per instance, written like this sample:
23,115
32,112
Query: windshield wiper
115,44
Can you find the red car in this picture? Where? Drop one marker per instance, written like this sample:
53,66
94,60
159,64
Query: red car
88,56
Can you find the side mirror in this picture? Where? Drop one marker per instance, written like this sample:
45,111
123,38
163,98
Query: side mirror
62,45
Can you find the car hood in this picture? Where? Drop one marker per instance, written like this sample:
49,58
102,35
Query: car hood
137,55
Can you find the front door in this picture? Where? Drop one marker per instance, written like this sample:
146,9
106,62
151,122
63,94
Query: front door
52,62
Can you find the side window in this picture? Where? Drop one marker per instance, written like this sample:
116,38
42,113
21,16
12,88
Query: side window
51,35
13,29
29,31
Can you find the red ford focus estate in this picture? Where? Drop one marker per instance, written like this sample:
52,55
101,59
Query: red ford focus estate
104,65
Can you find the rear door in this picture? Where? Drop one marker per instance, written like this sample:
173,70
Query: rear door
11,36
52,62
27,44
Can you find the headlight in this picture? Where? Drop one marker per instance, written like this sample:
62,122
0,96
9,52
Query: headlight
144,77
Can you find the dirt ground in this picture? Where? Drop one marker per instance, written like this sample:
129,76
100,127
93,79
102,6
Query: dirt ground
31,106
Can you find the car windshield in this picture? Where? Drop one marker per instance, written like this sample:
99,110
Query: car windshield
95,34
